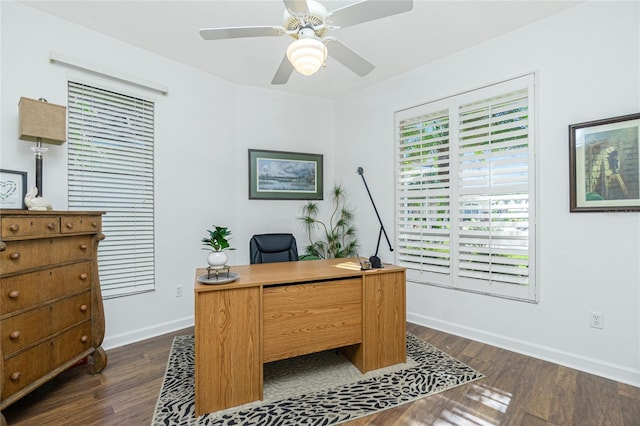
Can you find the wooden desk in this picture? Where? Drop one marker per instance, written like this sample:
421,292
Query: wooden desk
281,310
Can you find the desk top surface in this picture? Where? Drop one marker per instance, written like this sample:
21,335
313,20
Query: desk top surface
293,272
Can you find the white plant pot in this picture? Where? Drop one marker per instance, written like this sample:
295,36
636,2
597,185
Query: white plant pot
217,259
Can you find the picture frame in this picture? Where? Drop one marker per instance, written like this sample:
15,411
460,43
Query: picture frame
13,188
604,165
282,175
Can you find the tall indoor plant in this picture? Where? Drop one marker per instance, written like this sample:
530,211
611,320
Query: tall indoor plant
334,239
217,242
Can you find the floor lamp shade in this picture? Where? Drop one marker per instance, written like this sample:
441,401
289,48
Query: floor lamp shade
40,119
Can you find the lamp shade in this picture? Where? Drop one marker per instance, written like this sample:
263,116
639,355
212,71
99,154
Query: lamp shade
40,119
307,55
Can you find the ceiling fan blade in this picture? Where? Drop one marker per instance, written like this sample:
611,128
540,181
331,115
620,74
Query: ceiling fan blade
296,7
348,58
284,72
368,10
240,32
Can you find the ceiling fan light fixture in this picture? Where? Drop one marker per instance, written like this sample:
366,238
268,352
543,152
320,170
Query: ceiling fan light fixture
307,55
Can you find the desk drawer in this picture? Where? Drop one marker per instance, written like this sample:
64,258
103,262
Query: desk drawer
23,255
306,318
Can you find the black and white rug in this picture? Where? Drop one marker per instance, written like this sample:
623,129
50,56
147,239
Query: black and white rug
317,389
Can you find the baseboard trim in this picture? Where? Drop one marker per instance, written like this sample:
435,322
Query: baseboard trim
111,342
579,362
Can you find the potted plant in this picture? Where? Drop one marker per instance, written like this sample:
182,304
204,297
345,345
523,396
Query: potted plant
217,242
337,237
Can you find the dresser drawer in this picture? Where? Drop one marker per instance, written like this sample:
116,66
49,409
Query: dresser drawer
22,255
20,331
22,291
71,344
75,224
27,367
17,227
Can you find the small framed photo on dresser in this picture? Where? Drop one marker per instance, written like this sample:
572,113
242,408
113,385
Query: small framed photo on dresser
13,188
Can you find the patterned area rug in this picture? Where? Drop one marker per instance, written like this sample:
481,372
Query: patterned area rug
316,389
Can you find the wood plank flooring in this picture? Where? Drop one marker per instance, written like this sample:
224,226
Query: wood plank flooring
517,390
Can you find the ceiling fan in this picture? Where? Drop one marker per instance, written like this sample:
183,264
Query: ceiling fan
308,22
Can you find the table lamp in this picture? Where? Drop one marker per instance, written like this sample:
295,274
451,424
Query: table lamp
42,122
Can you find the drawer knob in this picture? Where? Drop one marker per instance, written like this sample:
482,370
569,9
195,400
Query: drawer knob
13,294
94,224
16,376
15,256
14,227
83,308
14,335
83,276
70,225
83,246
3,246
84,339
51,226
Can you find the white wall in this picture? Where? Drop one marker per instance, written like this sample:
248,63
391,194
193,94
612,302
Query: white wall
266,119
588,68
204,126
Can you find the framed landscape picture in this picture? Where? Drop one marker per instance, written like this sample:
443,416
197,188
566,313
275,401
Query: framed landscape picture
281,175
13,188
604,165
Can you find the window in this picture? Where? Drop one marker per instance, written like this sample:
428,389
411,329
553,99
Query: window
110,165
465,191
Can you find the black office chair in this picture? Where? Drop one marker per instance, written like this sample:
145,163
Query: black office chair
269,248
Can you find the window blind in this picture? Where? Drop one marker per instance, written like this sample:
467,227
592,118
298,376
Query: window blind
424,193
465,191
110,166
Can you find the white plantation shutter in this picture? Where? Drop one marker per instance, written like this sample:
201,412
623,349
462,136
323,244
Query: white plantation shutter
465,216
424,193
110,163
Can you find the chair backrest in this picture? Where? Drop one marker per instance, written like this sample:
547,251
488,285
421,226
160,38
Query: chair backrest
269,248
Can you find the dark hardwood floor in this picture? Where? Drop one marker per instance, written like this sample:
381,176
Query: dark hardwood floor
517,390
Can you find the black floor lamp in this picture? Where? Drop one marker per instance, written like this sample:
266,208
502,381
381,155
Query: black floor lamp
375,260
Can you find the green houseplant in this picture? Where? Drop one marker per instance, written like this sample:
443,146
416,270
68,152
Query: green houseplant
334,239
217,242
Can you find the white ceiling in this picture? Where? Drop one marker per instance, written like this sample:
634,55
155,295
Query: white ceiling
396,44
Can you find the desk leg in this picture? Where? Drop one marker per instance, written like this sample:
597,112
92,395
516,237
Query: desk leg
384,323
228,359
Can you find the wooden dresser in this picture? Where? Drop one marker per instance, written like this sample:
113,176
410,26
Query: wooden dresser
51,313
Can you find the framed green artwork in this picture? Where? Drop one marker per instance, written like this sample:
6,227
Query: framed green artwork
281,175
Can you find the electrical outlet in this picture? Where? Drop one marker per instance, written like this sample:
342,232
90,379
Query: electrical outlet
596,320
179,291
